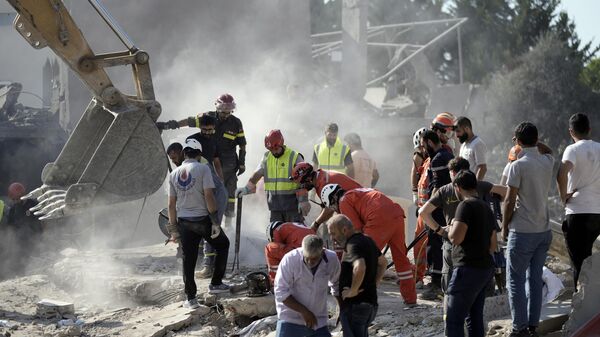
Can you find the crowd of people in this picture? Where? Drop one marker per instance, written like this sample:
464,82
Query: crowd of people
462,219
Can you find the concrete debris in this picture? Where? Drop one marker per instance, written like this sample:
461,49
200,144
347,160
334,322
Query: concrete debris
49,309
250,306
585,300
266,324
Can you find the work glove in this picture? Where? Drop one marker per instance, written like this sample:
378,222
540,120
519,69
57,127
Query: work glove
415,198
215,229
241,169
174,232
304,208
241,191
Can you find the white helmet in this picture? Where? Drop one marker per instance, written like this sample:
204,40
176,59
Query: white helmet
417,137
271,228
327,192
192,144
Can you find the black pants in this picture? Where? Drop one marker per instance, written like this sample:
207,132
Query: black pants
581,230
230,167
191,233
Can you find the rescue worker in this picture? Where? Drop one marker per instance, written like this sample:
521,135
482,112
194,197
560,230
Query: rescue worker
193,216
377,216
175,152
229,134
308,178
365,169
210,154
283,237
438,175
23,228
419,156
287,202
420,196
443,126
332,154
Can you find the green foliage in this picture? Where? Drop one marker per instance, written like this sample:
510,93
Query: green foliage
590,76
542,88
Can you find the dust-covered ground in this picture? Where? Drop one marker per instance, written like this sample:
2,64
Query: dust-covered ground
138,292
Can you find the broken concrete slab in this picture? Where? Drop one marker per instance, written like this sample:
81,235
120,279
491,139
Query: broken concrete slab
250,306
496,307
48,309
157,322
585,300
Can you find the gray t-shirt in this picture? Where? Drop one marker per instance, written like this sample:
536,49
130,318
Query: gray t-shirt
532,175
446,198
187,183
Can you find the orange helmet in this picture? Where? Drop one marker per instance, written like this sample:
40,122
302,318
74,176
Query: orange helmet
273,140
514,153
16,191
301,171
444,121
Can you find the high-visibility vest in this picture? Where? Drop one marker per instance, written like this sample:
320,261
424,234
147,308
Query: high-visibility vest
332,158
423,184
278,171
1,210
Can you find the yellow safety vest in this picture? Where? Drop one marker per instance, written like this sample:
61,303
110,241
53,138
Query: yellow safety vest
332,158
1,209
278,171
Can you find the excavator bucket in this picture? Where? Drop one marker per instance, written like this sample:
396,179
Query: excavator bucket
109,158
115,153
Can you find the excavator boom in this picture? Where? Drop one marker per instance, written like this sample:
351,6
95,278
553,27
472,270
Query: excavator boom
115,152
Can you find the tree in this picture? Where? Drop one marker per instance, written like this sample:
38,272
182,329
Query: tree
591,75
543,88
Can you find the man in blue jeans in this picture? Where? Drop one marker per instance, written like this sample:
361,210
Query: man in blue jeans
363,267
473,236
527,228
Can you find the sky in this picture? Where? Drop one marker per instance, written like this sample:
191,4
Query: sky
585,15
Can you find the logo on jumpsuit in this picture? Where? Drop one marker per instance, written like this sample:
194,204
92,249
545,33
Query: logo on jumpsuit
185,180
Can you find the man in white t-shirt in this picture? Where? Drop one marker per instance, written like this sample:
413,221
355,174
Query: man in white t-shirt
472,148
579,188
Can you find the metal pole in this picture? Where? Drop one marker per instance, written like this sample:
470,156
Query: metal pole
112,23
460,61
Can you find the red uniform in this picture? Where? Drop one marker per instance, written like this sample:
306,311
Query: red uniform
286,237
331,177
383,220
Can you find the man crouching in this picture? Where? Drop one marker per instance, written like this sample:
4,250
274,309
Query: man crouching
301,283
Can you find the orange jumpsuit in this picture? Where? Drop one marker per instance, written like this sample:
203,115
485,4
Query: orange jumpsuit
419,250
383,220
331,177
286,237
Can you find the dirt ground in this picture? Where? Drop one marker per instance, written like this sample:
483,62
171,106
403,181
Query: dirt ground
138,292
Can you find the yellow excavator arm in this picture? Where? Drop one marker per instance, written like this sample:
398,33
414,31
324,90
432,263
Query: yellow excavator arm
115,152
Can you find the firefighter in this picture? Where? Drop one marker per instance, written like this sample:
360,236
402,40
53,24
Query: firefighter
287,202
332,154
283,237
309,178
229,135
377,216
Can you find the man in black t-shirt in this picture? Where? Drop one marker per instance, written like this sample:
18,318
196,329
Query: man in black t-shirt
362,269
473,234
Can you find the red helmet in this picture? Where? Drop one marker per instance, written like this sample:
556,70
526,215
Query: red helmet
273,140
225,102
301,171
16,191
444,121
